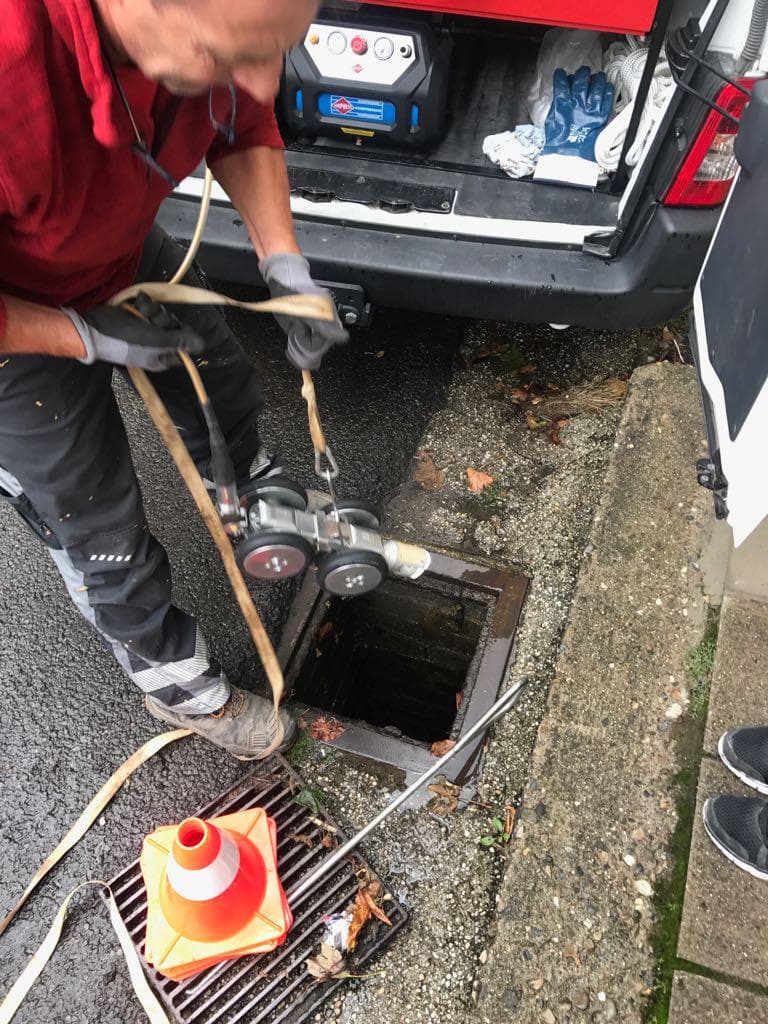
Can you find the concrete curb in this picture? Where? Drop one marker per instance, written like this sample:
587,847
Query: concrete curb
576,907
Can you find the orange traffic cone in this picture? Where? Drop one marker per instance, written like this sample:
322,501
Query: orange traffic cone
213,892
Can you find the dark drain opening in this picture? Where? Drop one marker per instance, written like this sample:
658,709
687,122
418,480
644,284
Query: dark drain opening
380,676
398,657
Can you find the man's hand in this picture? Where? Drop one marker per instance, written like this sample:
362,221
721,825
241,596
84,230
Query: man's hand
308,340
112,335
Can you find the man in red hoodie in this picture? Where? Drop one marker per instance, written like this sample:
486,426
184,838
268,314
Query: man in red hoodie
103,106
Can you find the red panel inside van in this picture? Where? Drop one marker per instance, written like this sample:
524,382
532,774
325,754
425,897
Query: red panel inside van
634,16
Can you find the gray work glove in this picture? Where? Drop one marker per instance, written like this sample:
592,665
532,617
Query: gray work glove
112,335
308,340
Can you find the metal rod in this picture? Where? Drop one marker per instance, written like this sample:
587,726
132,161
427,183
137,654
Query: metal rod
504,704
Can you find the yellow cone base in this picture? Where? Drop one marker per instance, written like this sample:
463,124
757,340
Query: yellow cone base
171,953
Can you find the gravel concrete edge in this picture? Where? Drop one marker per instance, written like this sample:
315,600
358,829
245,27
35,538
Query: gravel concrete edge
576,909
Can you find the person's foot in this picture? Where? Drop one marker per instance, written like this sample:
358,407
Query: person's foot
745,752
266,464
246,726
738,826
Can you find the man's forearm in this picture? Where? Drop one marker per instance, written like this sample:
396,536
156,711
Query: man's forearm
256,180
38,330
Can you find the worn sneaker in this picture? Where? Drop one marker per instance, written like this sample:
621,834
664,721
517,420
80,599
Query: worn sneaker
245,726
738,826
745,752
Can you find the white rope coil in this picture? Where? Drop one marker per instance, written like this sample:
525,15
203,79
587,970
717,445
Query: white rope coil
624,64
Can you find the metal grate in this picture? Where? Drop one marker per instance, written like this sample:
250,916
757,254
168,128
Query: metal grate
272,988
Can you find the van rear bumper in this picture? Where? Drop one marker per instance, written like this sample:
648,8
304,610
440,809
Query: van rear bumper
648,283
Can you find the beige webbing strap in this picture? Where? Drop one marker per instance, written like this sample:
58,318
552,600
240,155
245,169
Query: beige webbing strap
316,431
36,965
311,307
197,489
93,810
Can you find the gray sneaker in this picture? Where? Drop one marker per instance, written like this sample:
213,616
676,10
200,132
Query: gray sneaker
245,726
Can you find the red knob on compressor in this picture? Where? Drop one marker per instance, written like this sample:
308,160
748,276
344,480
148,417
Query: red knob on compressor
359,46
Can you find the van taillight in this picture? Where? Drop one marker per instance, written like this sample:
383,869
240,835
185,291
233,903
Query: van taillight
710,167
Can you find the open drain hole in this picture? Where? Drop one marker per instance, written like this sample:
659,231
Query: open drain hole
398,658
386,675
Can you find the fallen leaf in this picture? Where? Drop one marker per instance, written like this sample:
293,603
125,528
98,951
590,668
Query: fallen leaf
327,842
441,747
326,729
304,840
459,699
528,369
554,431
537,400
426,473
510,815
307,798
361,915
446,798
380,354
489,350
324,630
534,423
376,910
519,394
328,964
478,481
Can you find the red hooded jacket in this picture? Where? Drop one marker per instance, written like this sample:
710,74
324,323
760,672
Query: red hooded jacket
76,203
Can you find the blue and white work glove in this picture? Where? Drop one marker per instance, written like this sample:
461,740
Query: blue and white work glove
308,340
581,106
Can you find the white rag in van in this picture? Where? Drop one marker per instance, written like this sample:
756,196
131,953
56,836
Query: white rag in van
517,152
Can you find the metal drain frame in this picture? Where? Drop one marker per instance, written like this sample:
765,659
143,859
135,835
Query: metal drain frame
502,590
236,991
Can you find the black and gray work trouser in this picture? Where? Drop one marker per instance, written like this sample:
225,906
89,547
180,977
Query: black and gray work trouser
66,465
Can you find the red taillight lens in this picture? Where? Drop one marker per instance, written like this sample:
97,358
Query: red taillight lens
710,167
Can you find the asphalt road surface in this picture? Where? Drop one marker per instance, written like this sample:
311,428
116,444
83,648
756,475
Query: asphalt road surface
70,716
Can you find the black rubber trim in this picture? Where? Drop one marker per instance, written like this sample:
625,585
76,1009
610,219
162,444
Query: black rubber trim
477,194
648,283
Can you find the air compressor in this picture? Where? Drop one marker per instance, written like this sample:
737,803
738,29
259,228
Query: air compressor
368,79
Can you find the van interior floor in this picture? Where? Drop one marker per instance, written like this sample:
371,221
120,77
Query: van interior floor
491,76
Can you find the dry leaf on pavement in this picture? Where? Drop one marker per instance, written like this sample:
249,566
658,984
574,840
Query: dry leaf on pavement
361,915
554,431
478,481
328,964
441,747
534,422
325,729
305,840
446,798
489,350
519,394
376,910
426,473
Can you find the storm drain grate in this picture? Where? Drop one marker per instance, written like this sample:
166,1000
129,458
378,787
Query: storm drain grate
272,988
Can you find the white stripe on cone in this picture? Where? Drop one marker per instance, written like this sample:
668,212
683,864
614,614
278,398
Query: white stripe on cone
209,882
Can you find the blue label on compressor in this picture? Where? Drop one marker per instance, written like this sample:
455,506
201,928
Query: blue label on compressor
353,108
